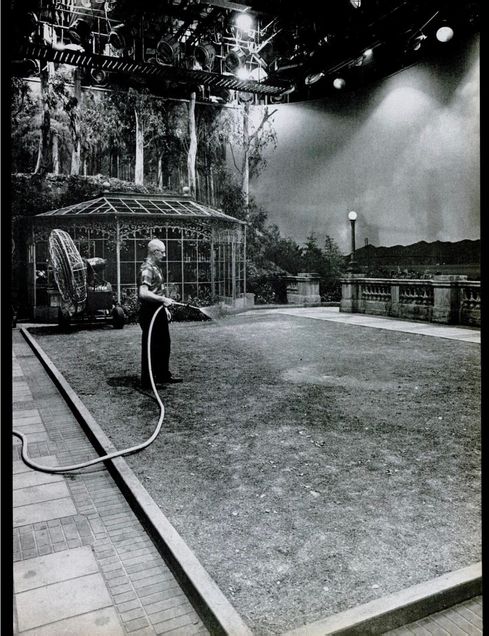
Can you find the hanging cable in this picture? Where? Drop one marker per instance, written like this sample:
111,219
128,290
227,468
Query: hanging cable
126,451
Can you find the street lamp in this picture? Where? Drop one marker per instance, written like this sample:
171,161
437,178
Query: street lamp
352,216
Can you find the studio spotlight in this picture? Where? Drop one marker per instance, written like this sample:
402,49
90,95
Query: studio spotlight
29,23
243,73
26,68
244,22
98,76
339,83
258,74
232,61
444,34
313,78
418,42
167,51
205,55
120,37
79,32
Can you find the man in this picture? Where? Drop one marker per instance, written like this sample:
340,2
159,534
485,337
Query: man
151,297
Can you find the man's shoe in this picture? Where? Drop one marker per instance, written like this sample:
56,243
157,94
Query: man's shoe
171,380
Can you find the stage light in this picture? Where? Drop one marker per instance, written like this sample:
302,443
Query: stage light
204,55
242,73
120,37
167,50
29,23
313,78
26,68
79,32
444,34
258,74
244,22
289,91
233,60
356,3
339,83
98,76
418,42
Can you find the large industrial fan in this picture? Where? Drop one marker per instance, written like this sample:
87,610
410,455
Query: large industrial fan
84,295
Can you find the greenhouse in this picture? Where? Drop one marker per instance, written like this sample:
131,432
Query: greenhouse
206,249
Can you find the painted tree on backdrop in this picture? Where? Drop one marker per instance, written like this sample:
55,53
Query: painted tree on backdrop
48,104
140,118
169,143
204,144
247,139
102,133
55,118
25,118
66,87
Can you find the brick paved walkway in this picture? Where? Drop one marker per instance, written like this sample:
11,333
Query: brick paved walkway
459,620
83,564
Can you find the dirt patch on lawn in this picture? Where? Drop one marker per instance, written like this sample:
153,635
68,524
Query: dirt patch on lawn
311,466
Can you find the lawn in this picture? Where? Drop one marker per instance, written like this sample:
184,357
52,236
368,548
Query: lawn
310,465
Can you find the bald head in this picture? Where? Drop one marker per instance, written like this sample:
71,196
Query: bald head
157,250
155,245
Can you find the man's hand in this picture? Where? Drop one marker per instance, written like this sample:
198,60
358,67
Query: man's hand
167,301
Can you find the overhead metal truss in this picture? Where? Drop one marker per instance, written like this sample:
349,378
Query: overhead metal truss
126,66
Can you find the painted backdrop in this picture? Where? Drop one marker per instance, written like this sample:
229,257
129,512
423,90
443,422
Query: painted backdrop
403,154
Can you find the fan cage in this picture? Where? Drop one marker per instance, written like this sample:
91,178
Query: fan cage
69,269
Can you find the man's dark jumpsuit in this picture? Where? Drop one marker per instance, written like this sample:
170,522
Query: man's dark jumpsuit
150,275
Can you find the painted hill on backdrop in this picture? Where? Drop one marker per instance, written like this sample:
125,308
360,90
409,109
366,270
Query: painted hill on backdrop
460,257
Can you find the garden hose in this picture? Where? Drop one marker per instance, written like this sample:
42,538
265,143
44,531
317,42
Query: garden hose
126,451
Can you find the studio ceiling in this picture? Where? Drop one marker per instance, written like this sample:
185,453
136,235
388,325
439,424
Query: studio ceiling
288,51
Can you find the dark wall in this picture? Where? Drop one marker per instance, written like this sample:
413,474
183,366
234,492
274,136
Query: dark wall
403,153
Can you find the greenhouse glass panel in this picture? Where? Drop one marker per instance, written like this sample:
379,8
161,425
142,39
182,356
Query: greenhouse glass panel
174,250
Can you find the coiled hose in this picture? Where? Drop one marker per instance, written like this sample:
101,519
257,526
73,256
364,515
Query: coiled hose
126,451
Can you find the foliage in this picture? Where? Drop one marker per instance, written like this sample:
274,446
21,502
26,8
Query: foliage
106,124
261,135
271,257
25,111
32,194
328,262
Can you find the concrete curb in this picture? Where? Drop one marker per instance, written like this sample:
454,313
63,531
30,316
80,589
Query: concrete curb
401,608
217,613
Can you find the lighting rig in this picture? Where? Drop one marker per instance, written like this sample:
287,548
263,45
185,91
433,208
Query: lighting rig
250,50
223,58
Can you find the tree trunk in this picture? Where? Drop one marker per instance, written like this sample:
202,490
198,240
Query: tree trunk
43,156
192,151
211,184
55,152
160,171
75,132
139,167
246,155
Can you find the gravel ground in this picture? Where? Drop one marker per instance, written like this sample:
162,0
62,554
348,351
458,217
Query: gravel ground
311,465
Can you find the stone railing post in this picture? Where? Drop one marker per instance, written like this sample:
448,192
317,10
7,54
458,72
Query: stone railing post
446,298
303,289
350,293
394,299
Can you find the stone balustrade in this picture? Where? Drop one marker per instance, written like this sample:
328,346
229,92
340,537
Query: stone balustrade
443,299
